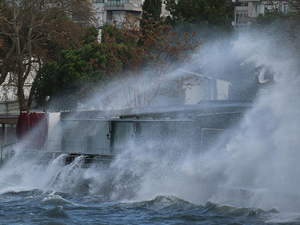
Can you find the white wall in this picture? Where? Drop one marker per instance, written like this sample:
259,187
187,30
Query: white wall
205,91
100,13
119,16
222,90
53,142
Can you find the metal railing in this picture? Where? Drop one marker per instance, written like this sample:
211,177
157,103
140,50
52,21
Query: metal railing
246,15
116,2
77,147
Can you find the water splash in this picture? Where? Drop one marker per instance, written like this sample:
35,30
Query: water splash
258,167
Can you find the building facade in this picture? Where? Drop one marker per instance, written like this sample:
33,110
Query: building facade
115,11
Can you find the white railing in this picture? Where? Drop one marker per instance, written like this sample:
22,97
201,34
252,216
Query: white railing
116,2
122,3
247,15
76,147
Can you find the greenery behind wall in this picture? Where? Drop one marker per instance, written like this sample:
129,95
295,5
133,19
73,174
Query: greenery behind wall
210,18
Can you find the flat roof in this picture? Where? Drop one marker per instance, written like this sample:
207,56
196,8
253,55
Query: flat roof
203,108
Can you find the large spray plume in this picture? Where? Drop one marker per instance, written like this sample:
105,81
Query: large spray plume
258,166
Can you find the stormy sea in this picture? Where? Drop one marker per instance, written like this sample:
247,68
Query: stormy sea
143,190
252,178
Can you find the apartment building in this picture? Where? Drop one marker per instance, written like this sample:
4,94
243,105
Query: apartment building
110,11
246,11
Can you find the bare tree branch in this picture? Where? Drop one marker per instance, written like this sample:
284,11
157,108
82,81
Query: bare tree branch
32,31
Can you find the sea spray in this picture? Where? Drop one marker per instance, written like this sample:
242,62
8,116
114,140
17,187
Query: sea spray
265,154
257,167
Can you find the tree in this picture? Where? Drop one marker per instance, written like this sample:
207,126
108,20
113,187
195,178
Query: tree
139,59
152,7
70,80
198,11
211,18
135,61
35,31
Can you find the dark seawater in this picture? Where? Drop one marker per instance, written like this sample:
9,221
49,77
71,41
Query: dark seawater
142,187
135,189
49,207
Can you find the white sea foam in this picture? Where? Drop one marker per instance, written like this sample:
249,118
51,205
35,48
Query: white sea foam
258,167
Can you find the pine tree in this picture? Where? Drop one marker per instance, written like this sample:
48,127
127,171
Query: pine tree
151,12
152,7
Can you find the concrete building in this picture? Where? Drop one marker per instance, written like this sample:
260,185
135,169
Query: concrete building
114,11
109,11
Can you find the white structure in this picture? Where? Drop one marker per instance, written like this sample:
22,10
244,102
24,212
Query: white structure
247,11
207,89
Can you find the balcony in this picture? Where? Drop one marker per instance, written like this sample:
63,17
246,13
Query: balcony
97,1
117,3
124,5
